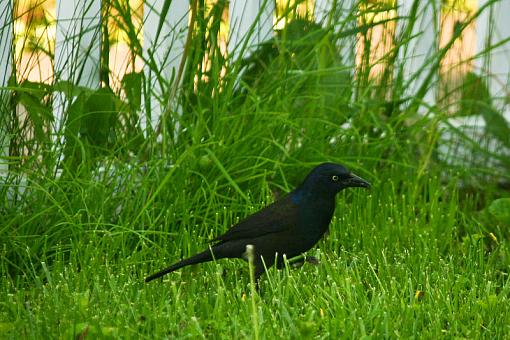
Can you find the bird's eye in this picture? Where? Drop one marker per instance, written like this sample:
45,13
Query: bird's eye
334,178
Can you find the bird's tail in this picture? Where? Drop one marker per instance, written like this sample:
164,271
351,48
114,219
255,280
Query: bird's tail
204,256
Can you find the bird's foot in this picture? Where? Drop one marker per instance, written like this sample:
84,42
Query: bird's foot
312,260
299,262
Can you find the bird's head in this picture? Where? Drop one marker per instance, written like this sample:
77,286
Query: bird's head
330,178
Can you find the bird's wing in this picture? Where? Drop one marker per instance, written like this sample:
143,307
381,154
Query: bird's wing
279,216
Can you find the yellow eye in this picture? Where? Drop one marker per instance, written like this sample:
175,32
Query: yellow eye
334,178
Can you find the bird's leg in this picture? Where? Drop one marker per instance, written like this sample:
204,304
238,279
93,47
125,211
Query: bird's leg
259,270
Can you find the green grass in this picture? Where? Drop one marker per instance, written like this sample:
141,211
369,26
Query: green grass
418,255
384,246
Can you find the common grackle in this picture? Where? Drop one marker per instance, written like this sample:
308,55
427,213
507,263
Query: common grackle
289,226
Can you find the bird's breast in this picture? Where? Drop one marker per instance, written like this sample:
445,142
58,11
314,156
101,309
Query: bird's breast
314,220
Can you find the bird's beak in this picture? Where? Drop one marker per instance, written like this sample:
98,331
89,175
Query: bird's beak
355,181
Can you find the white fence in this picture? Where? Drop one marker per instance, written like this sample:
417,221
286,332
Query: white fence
79,28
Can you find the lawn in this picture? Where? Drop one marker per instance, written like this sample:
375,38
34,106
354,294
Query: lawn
409,258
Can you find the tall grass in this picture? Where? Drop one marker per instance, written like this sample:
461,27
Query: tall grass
82,224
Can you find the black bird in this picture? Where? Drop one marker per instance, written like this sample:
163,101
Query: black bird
289,226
